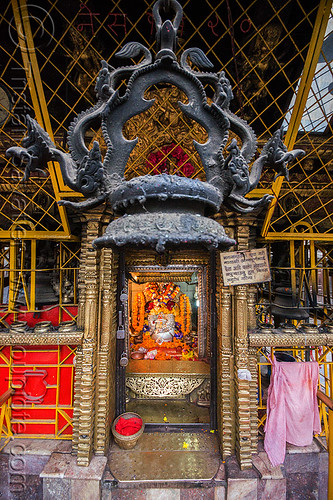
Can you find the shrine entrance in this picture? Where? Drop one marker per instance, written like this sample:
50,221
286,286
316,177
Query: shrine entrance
167,342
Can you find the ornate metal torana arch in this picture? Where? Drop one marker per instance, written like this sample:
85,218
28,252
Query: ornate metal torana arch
160,210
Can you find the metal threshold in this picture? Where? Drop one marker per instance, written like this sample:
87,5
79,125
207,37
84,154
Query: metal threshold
166,458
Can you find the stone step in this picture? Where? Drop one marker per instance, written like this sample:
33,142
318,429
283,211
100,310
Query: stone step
167,457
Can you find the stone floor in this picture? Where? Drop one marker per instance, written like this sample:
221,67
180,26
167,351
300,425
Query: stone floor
45,469
21,463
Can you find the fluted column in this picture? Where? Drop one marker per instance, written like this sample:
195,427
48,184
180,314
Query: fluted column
88,317
253,398
251,323
105,398
225,374
251,307
243,229
242,387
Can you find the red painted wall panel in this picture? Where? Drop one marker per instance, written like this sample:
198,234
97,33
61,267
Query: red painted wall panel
43,377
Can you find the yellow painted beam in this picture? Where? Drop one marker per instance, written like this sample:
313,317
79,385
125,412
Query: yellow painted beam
293,268
297,236
309,69
256,193
38,235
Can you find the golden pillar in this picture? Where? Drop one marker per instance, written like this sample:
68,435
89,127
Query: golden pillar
88,320
253,398
225,373
94,402
237,399
242,387
105,397
251,324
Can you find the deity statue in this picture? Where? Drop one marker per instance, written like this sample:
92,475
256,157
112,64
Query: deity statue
163,311
162,327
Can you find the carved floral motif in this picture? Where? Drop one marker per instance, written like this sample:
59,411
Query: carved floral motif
164,386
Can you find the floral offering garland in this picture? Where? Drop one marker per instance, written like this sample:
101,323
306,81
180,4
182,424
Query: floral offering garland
178,331
185,313
148,344
161,299
151,291
155,299
138,317
169,291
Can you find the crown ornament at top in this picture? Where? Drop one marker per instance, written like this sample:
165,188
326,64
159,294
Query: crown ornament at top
161,210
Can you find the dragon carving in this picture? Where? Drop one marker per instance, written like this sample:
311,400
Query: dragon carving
100,178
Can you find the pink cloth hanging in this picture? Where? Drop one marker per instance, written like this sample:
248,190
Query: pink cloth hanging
292,408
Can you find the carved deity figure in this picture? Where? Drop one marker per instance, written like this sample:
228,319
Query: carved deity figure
163,311
162,327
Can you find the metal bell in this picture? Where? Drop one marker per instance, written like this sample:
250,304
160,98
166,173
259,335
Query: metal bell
286,307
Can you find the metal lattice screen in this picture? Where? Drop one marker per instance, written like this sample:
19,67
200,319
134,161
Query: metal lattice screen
306,199
50,57
29,207
52,52
262,46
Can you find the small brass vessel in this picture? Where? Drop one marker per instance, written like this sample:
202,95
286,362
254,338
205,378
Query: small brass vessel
42,327
287,328
18,327
138,339
309,328
265,328
137,355
67,326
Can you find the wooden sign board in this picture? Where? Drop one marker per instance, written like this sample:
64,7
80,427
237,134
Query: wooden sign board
243,268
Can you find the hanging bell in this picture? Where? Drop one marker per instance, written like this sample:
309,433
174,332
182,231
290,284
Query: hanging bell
285,306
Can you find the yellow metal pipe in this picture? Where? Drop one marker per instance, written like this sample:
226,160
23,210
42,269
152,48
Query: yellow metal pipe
279,236
38,235
313,265
311,61
293,268
33,258
12,274
326,287
314,273
21,276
